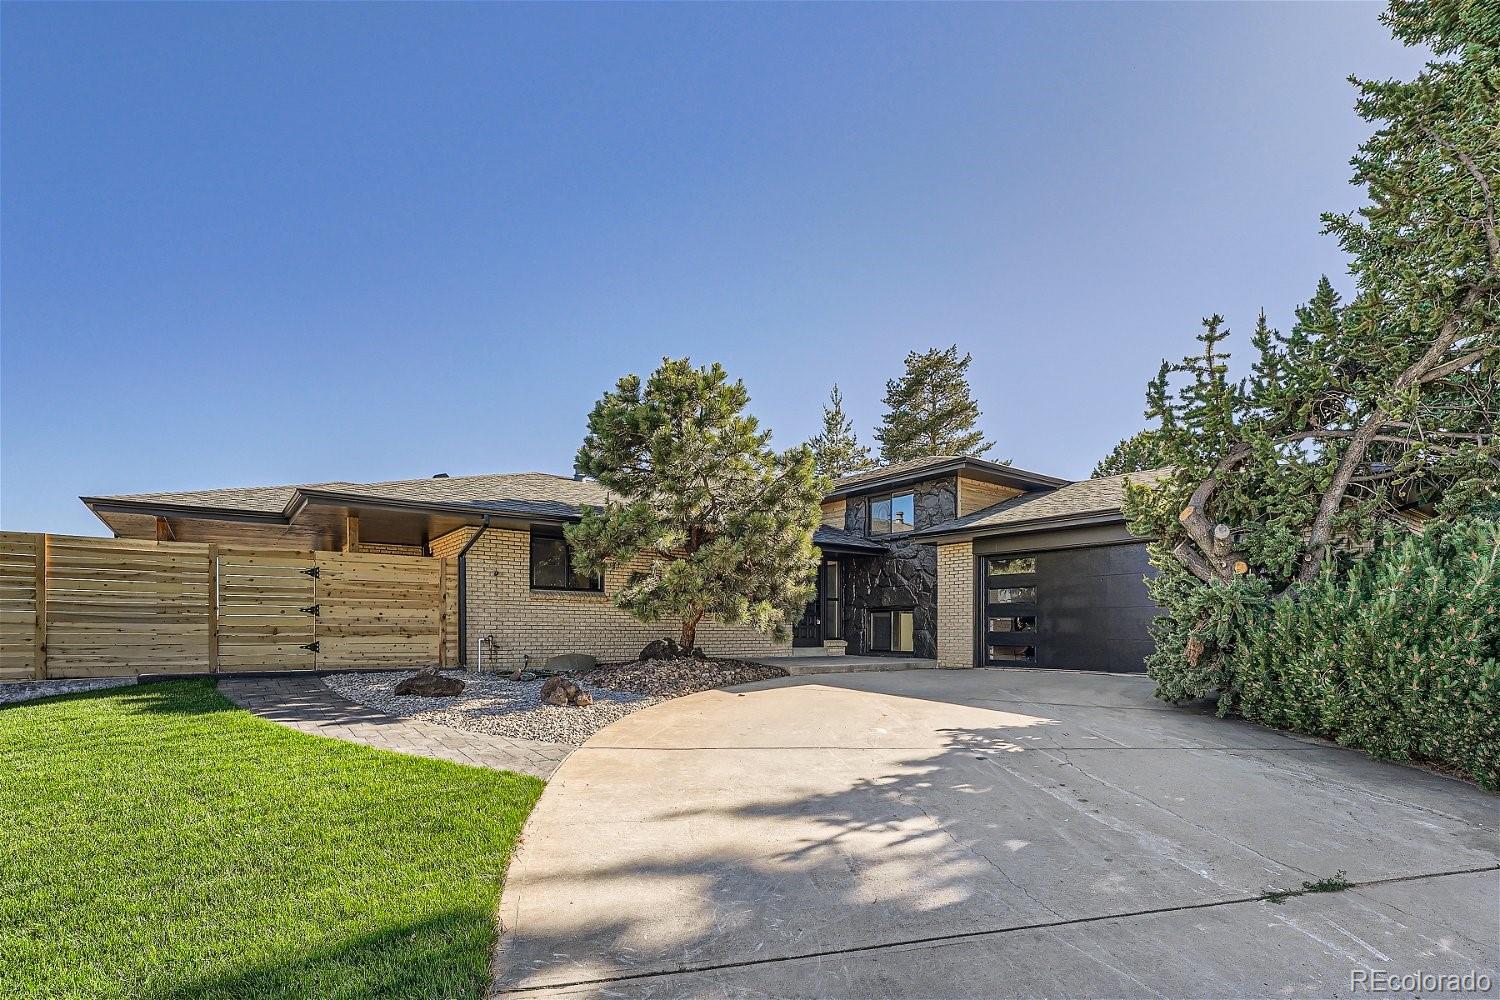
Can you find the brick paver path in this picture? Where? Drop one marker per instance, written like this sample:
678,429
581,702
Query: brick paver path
305,703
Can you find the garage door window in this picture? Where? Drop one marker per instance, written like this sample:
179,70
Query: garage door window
1010,609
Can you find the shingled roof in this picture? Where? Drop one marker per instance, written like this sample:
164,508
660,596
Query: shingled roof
1091,497
560,494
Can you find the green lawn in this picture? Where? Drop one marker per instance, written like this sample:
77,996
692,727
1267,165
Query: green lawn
158,842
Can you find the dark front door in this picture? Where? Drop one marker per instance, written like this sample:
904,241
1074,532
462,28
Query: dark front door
808,631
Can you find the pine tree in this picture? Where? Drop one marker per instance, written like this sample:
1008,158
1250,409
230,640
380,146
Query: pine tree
837,451
930,411
724,522
1366,408
1137,453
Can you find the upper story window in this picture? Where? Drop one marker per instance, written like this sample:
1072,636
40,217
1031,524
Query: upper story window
552,565
893,513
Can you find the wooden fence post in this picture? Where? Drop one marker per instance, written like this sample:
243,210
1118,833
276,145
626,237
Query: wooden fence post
39,638
213,609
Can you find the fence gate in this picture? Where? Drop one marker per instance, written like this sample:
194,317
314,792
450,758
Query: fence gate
378,610
267,610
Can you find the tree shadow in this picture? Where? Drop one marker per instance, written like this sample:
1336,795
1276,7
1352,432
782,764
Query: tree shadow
440,957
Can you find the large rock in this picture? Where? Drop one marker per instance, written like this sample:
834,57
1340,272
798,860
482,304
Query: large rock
562,692
428,683
566,663
661,649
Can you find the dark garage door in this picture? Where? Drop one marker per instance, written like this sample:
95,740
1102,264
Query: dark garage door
1089,609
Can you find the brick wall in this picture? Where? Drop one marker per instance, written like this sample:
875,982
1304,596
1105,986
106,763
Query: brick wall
956,607
541,623
384,549
833,513
974,494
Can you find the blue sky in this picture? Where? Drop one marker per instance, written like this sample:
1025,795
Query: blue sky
268,244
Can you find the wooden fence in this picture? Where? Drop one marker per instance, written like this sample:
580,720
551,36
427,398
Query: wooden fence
87,607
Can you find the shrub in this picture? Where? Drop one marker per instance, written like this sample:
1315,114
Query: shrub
1399,655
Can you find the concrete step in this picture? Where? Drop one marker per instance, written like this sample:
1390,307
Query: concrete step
799,666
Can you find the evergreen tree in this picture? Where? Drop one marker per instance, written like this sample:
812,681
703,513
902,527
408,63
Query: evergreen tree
837,451
1365,409
1137,453
930,411
724,522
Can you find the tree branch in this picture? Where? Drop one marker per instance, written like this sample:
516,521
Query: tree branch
1450,367
1333,497
1488,222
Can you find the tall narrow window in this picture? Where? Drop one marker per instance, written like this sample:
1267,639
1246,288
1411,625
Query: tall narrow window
833,608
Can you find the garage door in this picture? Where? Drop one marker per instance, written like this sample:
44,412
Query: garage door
1081,608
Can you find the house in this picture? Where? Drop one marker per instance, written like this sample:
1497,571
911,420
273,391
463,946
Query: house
957,559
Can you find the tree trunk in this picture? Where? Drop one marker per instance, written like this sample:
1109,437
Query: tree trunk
689,638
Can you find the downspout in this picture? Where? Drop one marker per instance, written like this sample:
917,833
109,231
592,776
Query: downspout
463,594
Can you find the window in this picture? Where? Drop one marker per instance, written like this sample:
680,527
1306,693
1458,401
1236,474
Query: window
891,632
1012,617
833,614
552,565
895,514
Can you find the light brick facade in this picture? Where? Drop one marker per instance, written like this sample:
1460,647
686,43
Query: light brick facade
974,494
955,605
541,623
833,513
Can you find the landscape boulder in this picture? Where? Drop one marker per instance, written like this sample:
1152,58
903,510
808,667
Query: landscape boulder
428,683
562,692
566,663
661,649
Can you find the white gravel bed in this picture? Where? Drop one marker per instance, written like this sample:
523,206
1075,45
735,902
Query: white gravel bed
492,703
11,693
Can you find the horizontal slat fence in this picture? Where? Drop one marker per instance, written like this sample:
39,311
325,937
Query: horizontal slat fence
20,559
117,605
87,607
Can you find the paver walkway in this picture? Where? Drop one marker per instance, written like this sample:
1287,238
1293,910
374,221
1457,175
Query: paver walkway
306,704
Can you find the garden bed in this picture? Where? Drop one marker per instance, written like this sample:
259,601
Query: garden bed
497,705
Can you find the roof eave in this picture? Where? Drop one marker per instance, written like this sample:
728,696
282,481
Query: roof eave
994,471
1086,520
167,509
302,498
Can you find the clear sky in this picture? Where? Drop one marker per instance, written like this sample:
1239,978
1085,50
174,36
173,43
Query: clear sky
279,243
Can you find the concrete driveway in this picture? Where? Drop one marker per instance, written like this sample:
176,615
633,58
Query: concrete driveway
986,833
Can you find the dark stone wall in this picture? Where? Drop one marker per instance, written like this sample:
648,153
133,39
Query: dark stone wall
906,577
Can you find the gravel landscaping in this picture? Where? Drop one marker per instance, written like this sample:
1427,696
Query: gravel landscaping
28,690
492,703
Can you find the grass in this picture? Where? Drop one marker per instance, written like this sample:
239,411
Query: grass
1330,883
158,842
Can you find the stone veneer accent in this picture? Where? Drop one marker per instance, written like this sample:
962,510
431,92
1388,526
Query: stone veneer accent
906,577
955,605
973,494
541,623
